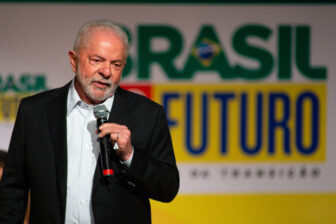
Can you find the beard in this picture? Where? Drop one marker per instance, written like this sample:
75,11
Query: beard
90,90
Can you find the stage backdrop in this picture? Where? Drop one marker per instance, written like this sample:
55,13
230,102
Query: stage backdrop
249,91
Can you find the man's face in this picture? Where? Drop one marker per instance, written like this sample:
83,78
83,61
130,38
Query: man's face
98,66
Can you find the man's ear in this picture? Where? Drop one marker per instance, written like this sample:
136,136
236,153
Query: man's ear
73,60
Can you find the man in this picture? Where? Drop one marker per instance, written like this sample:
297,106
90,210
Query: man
54,151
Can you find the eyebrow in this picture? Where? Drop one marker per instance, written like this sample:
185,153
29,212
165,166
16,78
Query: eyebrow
100,57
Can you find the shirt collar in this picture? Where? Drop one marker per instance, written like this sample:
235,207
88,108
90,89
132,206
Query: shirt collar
74,99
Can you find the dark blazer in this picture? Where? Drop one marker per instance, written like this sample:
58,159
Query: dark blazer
37,160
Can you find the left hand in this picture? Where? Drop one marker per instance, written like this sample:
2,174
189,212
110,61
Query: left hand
121,135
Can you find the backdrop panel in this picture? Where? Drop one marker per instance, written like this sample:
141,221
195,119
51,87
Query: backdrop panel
249,92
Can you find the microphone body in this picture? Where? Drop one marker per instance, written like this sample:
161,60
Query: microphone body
106,152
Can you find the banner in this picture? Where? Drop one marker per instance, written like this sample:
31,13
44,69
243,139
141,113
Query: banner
248,90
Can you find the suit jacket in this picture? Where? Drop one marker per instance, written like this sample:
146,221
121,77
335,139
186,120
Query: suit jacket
37,160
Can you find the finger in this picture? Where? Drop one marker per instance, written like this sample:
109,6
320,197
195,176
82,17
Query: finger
124,138
120,137
117,133
108,129
111,126
115,136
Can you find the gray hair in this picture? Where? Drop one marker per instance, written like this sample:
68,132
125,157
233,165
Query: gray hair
85,32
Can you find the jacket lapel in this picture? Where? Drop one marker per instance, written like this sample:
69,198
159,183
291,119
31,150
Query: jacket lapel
56,113
120,107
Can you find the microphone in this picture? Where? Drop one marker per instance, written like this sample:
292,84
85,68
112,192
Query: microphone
101,113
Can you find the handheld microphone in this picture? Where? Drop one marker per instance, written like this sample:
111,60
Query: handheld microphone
101,113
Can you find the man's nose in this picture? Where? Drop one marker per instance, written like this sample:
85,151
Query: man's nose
105,70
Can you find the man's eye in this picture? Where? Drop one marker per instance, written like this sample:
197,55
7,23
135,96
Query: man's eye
95,60
117,64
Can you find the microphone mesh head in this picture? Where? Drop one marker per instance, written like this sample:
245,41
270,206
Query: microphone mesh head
100,111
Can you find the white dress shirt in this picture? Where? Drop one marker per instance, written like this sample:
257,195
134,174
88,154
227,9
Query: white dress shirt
83,152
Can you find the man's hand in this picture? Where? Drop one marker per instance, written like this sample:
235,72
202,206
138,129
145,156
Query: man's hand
121,135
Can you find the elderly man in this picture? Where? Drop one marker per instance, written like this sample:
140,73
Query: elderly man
55,154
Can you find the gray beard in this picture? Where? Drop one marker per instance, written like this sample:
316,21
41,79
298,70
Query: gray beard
86,84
